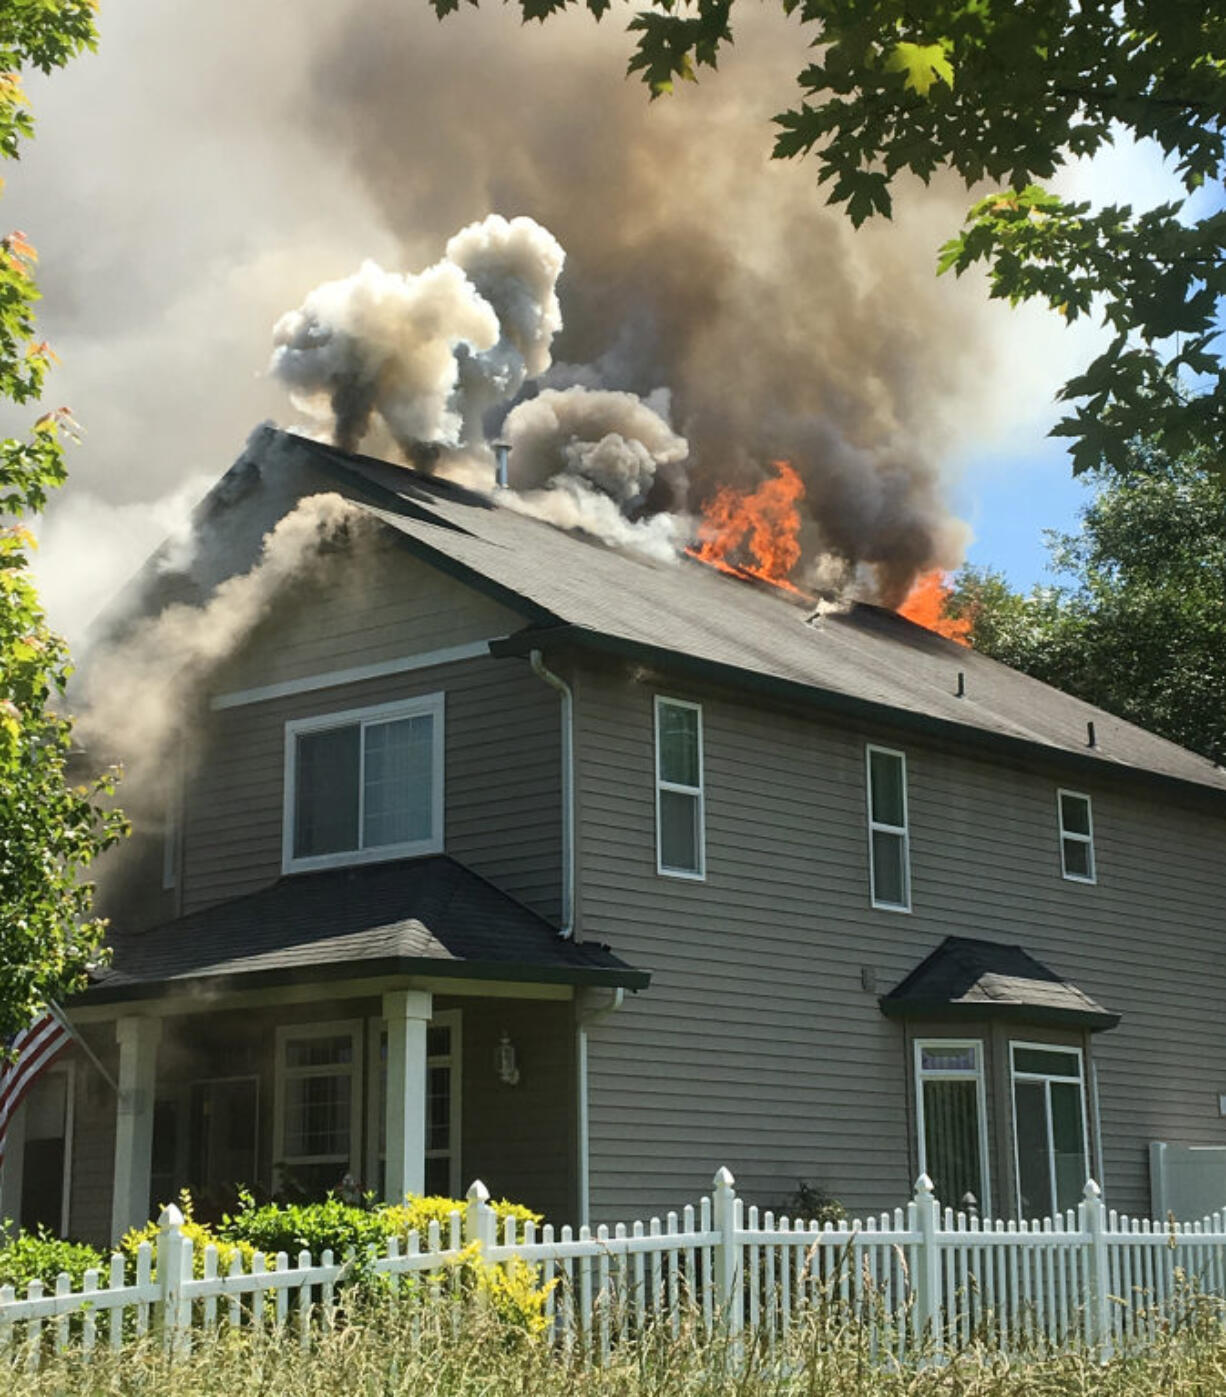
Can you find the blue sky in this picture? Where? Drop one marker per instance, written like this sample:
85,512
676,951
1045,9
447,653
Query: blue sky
1017,482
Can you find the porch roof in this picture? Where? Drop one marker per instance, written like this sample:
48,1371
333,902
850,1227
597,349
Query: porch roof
969,979
426,916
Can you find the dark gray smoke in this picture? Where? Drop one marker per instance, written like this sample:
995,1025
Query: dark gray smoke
366,128
693,264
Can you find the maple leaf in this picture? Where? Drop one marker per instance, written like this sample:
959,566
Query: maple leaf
922,65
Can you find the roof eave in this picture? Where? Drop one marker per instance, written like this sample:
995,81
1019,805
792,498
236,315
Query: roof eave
848,705
519,973
1040,1015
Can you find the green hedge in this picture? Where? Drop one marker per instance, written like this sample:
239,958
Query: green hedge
38,1256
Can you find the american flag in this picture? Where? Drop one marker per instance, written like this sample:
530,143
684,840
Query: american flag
33,1049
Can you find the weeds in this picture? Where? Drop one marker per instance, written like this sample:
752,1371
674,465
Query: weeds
387,1348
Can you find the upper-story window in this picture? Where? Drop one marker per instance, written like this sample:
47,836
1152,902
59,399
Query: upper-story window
889,857
680,834
1076,837
364,785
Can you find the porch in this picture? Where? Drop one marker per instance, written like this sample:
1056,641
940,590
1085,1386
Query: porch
387,1030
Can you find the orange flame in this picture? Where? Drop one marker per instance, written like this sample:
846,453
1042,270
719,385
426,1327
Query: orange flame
925,605
762,525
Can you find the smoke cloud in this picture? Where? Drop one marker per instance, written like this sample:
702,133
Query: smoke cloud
140,685
370,130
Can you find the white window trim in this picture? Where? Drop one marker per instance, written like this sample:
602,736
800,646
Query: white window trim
879,825
700,874
443,1018
977,1076
336,1029
434,704
1046,1077
1086,839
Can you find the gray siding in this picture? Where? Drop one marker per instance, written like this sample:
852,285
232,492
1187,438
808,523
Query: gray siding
503,762
763,1049
519,1140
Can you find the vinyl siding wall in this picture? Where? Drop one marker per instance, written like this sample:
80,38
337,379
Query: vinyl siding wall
758,1045
502,726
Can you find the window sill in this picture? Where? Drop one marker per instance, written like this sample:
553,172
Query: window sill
353,857
682,874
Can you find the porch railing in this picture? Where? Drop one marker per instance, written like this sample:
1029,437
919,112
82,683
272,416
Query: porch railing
922,1279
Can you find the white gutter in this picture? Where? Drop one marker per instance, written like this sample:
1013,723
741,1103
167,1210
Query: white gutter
567,929
582,1023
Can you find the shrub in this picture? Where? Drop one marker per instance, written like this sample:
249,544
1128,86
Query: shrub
812,1203
291,1227
196,1233
338,1226
38,1256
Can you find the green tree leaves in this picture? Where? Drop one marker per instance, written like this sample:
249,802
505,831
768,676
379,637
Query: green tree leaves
1137,623
51,826
1004,94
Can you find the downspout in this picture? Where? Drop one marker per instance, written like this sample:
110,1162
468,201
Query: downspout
582,1023
555,681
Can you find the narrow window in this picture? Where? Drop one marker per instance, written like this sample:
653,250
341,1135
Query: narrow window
319,1099
1076,837
364,785
888,844
951,1120
1049,1128
442,1108
680,836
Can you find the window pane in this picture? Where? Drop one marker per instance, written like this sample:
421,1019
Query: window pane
1075,814
679,745
1049,1061
889,878
397,781
438,1108
951,1140
679,832
1077,858
885,772
1069,1143
438,1041
1033,1159
319,1052
938,1058
326,792
317,1116
438,1176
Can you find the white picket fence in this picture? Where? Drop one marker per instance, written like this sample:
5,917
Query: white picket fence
921,1280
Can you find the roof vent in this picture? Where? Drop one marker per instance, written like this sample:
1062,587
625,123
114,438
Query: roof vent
1091,740
960,691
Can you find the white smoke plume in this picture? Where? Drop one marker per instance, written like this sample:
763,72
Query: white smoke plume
140,683
429,353
588,459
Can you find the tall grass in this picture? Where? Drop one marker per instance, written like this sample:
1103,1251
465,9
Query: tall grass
386,1348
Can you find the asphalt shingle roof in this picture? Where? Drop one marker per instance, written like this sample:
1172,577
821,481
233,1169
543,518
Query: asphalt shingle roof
967,978
425,916
572,588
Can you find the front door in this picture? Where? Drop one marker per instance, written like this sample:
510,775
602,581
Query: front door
223,1122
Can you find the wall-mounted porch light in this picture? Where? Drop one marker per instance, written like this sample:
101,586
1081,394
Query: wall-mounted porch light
506,1062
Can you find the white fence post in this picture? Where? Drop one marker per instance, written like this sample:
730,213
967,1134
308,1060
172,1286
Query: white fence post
925,1212
174,1261
480,1223
1098,1315
727,1257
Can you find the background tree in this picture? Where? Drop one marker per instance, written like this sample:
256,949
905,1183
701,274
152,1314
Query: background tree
50,830
1137,621
1003,93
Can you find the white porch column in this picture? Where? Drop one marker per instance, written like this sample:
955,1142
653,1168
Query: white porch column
407,1012
138,1040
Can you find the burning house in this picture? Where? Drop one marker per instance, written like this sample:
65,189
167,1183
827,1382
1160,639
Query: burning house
581,830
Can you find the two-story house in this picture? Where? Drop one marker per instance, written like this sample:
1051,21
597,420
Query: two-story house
504,854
